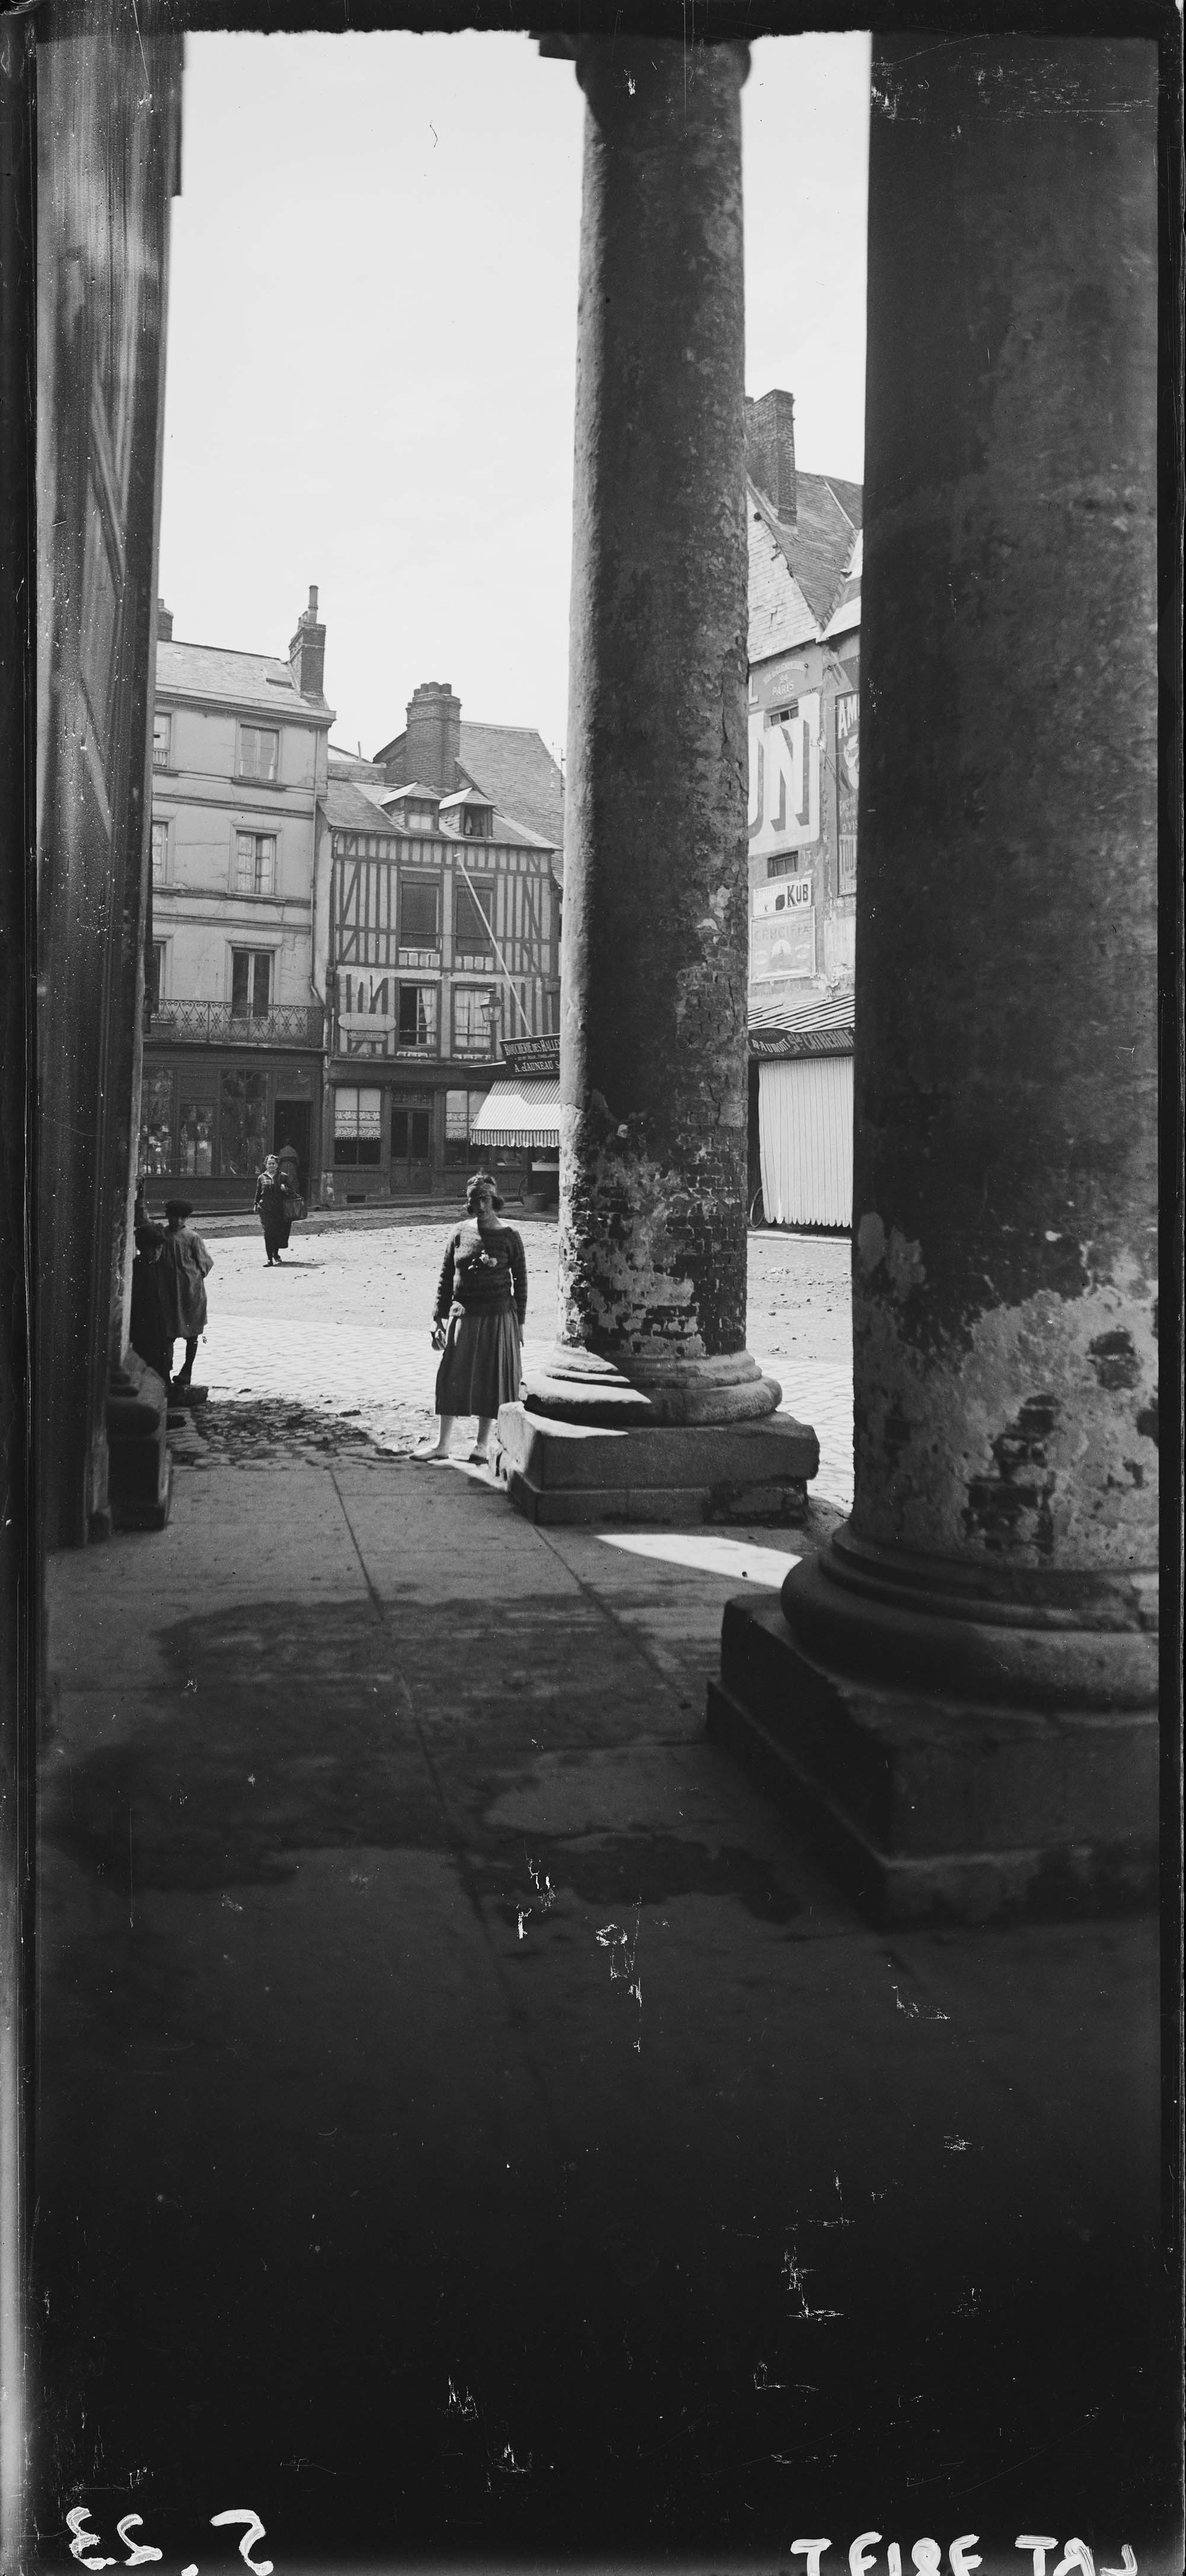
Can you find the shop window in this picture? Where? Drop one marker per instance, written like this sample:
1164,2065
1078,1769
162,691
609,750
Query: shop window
156,1122
417,1024
357,1124
418,913
472,909
160,852
244,1124
461,1109
255,863
196,1138
411,1135
251,983
259,752
472,1019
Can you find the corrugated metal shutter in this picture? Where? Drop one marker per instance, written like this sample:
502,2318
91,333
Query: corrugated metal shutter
805,1136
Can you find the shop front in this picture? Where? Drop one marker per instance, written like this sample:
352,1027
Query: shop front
517,1130
419,1134
207,1122
396,1136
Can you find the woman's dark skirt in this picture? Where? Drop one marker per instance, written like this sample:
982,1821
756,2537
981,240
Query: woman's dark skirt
481,1364
275,1223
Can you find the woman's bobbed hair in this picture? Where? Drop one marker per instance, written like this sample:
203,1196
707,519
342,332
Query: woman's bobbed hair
481,1185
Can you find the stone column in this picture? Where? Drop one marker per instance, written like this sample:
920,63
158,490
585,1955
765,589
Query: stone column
654,967
962,1688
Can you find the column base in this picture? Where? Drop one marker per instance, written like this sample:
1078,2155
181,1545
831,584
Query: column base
565,1473
140,1473
929,1806
576,1385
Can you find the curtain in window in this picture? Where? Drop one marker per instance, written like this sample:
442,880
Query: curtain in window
156,1122
417,1015
259,751
244,1123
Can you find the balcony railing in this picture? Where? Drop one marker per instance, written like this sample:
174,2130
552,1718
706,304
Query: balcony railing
286,1024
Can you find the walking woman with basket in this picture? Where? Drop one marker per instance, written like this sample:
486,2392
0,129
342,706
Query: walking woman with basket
481,1307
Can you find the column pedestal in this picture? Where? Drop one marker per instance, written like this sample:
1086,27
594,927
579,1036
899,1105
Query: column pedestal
969,1768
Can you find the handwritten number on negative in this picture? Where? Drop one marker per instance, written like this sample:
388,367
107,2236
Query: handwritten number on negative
254,2531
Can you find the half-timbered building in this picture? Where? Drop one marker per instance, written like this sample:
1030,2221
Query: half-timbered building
444,942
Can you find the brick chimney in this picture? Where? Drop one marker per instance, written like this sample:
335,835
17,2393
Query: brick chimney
306,653
433,744
164,623
770,450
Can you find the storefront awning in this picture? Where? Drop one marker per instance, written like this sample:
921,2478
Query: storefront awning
519,1113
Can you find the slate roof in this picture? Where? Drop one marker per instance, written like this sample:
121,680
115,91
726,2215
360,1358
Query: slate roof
801,569
349,764
515,771
512,768
348,808
253,680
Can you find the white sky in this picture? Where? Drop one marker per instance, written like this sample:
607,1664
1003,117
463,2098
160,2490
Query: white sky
372,344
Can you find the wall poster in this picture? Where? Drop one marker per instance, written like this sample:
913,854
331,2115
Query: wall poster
848,755
784,744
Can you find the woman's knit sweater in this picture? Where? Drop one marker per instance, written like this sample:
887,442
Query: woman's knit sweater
484,1269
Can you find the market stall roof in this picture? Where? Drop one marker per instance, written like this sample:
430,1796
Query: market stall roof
819,1026
519,1113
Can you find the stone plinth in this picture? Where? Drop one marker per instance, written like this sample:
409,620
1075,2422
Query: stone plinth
140,1475
929,1805
569,1472
965,1681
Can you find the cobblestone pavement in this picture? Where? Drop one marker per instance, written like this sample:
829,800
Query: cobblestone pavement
342,1328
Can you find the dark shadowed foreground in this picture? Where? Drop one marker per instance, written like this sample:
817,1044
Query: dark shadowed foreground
471,2125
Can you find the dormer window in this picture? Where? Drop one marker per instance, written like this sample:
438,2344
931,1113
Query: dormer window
477,822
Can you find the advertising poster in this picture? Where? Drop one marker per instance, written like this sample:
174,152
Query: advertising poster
782,943
848,757
784,745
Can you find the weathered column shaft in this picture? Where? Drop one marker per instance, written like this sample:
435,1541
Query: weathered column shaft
1006,1142
653,1041
963,1685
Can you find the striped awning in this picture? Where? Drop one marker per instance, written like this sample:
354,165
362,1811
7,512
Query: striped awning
519,1113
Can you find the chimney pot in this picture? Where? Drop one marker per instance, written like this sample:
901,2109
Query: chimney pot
164,623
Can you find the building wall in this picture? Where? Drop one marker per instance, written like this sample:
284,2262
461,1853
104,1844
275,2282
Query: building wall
802,824
223,1087
423,1088
199,915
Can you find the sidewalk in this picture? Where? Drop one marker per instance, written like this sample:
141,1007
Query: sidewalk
470,2122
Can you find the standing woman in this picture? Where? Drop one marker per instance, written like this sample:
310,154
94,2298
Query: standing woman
481,1307
271,1209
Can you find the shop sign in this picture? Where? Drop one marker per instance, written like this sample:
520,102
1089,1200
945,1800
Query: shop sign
786,894
848,763
538,1055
